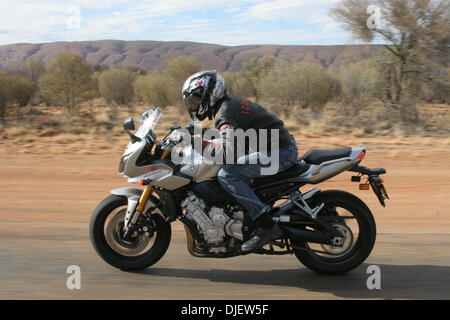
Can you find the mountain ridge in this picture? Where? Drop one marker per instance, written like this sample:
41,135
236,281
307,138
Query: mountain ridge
151,55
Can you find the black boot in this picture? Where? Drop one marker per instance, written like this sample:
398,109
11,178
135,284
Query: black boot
267,230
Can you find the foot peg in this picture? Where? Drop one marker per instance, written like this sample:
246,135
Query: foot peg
299,201
316,210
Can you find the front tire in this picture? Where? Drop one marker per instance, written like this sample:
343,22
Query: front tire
101,238
362,246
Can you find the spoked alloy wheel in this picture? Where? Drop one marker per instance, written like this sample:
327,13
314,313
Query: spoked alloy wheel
146,245
348,226
114,229
353,219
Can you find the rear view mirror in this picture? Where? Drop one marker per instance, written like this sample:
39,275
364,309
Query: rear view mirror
128,124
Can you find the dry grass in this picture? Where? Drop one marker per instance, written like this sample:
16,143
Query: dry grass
102,116
97,129
16,131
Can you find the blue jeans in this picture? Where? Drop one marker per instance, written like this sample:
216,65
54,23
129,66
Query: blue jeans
234,178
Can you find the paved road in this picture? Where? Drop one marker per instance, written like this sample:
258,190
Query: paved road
34,265
46,204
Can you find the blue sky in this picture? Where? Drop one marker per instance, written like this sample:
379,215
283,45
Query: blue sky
232,22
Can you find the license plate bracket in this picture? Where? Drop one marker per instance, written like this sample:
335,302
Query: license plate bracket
379,189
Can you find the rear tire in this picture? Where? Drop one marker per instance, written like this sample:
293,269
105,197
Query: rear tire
112,257
363,246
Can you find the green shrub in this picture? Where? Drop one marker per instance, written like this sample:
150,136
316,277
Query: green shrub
298,84
360,84
153,89
117,85
239,84
256,69
21,90
177,70
67,81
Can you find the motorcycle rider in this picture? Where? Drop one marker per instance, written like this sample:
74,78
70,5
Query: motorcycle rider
204,95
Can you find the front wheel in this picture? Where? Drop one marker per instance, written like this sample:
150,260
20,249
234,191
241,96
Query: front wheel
147,246
351,216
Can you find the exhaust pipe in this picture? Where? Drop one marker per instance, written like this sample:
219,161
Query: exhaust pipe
307,235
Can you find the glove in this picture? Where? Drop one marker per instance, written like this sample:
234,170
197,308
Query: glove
192,128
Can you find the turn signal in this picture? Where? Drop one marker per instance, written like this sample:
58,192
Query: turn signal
364,186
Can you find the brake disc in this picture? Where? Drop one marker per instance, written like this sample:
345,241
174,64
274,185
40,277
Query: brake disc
113,236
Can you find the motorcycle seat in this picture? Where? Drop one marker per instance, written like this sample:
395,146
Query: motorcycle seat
292,172
319,156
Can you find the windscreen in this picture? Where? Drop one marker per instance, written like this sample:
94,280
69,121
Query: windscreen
149,121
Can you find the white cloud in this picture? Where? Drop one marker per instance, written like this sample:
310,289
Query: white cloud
45,21
287,9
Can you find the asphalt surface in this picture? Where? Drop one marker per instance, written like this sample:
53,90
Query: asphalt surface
44,217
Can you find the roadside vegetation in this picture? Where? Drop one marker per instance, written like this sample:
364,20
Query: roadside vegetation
403,91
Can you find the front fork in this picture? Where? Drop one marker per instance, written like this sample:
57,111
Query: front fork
130,223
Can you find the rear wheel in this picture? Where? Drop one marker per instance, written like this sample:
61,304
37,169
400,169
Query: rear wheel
350,215
145,248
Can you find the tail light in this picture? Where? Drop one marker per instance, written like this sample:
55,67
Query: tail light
361,156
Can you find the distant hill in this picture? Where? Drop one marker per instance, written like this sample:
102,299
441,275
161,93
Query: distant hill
151,55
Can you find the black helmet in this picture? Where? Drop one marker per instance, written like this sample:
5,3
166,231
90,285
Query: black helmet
201,92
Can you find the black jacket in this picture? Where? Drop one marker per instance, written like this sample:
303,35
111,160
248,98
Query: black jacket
235,113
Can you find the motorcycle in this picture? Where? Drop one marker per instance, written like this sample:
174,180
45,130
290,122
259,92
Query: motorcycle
330,232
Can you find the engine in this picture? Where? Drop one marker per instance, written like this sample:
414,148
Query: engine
213,225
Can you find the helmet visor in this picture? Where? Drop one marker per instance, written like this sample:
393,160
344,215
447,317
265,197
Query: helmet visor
193,102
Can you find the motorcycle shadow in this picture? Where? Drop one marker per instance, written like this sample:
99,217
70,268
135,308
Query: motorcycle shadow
397,281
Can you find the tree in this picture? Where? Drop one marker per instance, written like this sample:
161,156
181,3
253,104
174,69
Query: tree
178,70
13,88
360,83
4,92
117,85
94,86
416,33
154,89
239,84
21,89
258,68
67,80
136,69
99,67
298,84
33,70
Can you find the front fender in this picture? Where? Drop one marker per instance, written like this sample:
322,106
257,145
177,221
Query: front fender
133,193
